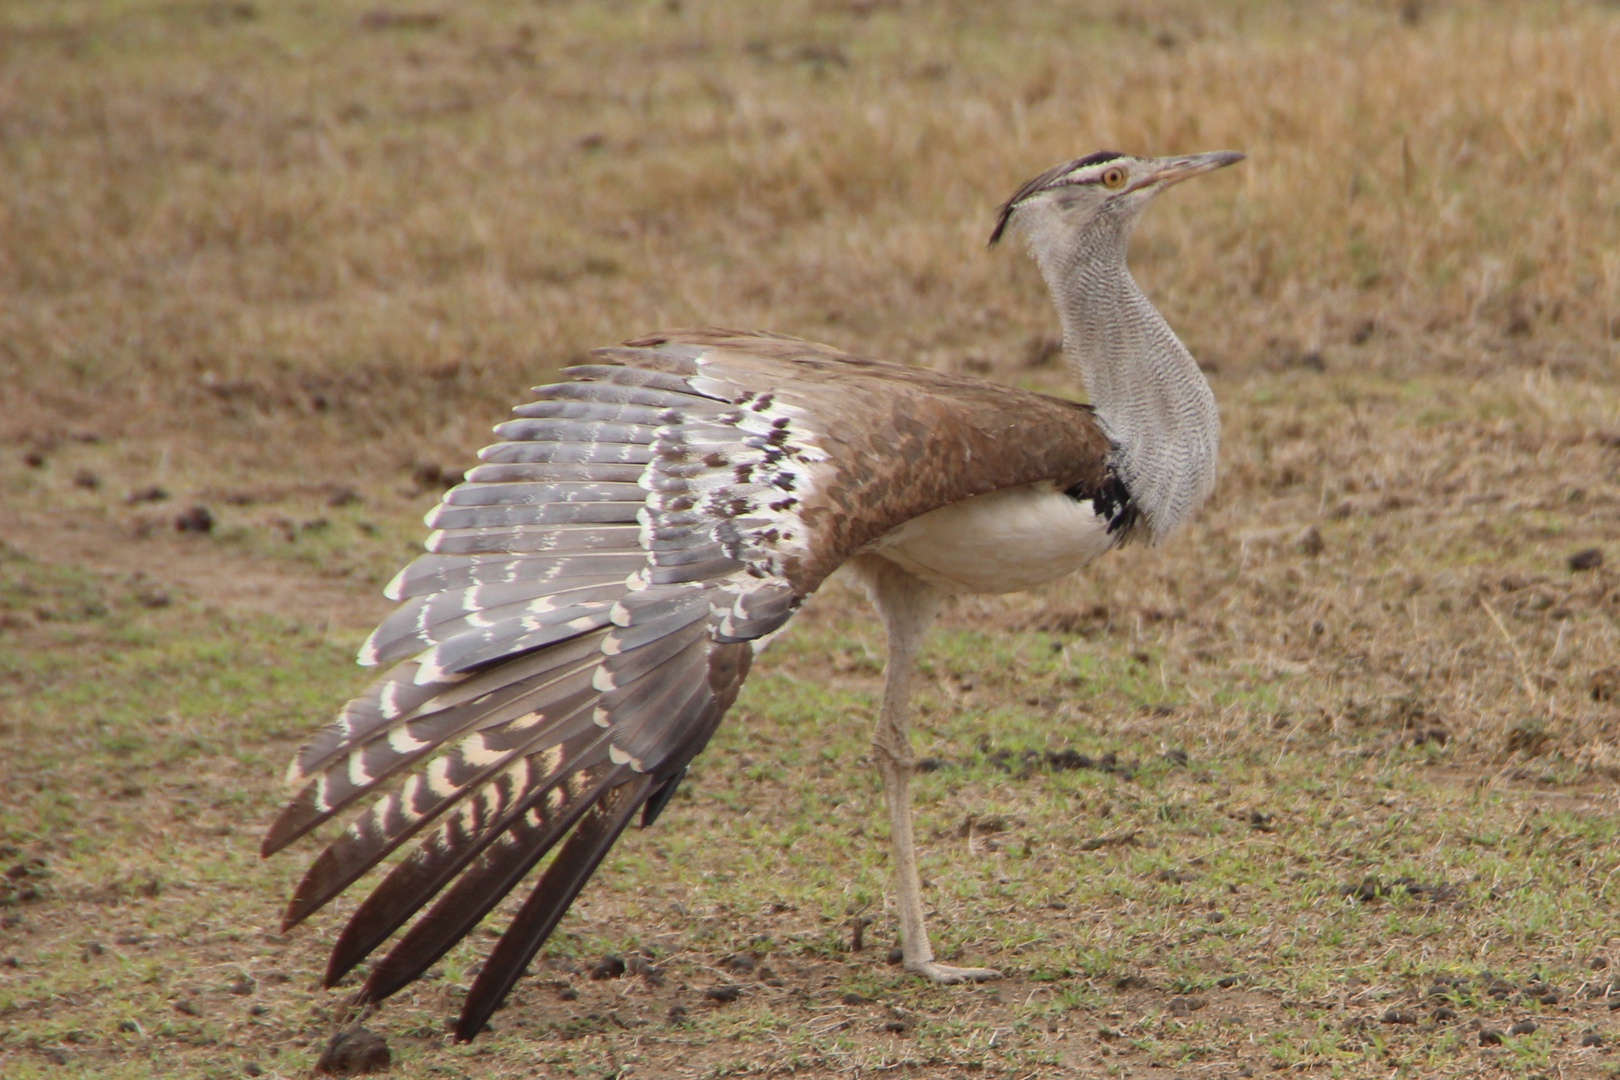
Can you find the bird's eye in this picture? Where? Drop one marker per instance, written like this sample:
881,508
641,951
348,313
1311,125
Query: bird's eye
1114,178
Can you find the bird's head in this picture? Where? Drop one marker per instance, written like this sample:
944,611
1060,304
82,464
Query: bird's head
1106,186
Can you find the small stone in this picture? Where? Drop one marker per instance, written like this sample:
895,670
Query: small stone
1591,1038
354,1052
243,985
1398,1016
723,994
740,963
147,494
86,479
927,764
1490,1037
1586,559
1186,1006
1227,982
896,955
609,967
253,1068
895,1027
186,1006
567,993
644,967
852,998
1549,998
1309,541
1444,1014
199,519
677,1013
129,1027
1523,1027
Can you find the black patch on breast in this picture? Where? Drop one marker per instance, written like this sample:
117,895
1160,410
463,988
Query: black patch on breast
1111,502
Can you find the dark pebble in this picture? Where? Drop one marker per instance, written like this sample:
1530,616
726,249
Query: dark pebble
895,1027
677,1013
253,1068
199,519
724,994
1591,1038
609,967
1176,756
1398,1016
354,1052
1549,998
1226,983
852,998
1490,1037
1443,1015
187,1007
896,955
1068,760
741,963
1186,1006
567,993
129,1027
86,479
1523,1027
643,966
928,764
1586,559
1599,963
147,494
258,1010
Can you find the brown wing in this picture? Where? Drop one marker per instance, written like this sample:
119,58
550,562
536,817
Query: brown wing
895,441
581,621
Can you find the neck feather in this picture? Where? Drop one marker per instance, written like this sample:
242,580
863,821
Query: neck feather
1145,386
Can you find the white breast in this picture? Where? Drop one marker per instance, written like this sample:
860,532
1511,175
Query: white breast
1005,541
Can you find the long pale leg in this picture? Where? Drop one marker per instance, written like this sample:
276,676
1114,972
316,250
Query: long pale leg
907,607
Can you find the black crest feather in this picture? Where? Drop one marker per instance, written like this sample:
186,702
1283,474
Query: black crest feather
1042,181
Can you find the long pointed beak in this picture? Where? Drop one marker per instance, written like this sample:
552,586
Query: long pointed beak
1175,170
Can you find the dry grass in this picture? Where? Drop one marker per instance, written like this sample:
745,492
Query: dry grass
276,258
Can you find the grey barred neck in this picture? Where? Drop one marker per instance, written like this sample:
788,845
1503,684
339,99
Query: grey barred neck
1144,385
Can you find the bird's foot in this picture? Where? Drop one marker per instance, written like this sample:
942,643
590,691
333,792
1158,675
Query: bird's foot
951,976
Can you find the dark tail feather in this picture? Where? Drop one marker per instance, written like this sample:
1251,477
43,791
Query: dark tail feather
474,895
659,799
544,908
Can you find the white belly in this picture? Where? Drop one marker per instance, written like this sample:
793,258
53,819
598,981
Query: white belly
1001,542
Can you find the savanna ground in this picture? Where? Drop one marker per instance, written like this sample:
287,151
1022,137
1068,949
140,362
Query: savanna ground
288,262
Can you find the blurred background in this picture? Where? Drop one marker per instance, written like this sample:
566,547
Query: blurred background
271,229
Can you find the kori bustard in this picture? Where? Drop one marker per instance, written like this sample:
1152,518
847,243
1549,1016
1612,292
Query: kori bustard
594,592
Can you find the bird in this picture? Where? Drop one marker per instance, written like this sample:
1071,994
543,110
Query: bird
592,595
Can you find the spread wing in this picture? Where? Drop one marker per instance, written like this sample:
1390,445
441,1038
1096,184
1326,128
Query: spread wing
585,611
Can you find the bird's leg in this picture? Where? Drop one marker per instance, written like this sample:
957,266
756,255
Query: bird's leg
907,606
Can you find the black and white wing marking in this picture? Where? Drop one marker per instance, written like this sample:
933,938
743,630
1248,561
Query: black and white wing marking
579,625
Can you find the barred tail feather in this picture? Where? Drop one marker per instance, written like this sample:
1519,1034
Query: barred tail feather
508,858
548,901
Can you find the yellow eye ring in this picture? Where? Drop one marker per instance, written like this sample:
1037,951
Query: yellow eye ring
1114,178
